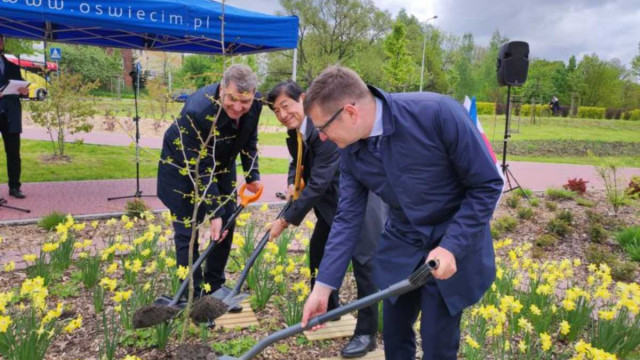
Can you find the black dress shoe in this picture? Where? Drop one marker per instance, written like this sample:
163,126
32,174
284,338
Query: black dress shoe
16,193
359,346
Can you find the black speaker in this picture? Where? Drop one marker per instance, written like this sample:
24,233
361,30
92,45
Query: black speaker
513,63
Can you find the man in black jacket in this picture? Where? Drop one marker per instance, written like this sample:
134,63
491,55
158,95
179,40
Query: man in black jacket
11,121
320,173
236,130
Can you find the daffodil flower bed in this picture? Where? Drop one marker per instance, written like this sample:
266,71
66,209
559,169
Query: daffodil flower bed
539,307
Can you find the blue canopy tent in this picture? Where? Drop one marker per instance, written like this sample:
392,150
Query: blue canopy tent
191,26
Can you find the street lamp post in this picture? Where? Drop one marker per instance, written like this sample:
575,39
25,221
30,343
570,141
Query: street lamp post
424,47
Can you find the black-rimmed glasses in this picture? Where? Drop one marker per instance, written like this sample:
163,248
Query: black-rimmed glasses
324,126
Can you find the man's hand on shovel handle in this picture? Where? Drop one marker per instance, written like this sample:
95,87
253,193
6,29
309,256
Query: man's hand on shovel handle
316,304
447,267
216,226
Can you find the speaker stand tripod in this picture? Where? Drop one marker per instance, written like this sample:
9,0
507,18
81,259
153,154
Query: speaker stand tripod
3,203
508,175
138,193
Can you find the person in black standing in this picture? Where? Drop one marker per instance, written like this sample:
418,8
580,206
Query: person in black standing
237,133
11,121
319,170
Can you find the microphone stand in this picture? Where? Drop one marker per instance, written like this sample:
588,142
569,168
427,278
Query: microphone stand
135,73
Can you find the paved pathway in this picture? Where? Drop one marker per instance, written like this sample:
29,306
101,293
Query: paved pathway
90,197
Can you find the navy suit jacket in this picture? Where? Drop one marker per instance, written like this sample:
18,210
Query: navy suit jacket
200,110
442,187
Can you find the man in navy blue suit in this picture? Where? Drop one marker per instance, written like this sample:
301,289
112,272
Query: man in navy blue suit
422,155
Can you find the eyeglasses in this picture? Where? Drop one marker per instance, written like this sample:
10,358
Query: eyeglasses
324,126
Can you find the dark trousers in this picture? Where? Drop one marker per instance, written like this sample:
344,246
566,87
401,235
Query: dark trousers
439,330
367,323
12,148
316,252
368,317
215,263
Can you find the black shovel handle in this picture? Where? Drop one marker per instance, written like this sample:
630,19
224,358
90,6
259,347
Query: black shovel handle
417,279
202,257
254,255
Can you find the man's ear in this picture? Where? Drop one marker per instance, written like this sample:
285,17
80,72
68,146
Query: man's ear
352,113
302,96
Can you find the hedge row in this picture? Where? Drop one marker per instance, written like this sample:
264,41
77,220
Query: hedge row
584,112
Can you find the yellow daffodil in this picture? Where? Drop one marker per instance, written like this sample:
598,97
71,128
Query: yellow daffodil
522,346
471,342
49,247
182,272
5,322
10,266
545,341
29,257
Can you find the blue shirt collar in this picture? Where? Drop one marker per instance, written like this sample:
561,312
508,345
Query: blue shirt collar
377,123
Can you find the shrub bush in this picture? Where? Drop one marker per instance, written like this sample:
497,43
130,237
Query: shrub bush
50,221
633,115
620,270
613,113
634,187
135,208
560,194
513,201
566,216
503,224
486,108
546,240
551,205
590,112
584,202
597,233
594,217
578,186
629,239
558,227
525,213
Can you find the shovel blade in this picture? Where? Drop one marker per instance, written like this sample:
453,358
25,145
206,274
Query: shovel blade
221,293
235,300
163,300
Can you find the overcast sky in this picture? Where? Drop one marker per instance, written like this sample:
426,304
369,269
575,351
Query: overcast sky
554,29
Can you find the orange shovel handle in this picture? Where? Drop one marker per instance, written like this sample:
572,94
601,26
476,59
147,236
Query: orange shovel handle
248,199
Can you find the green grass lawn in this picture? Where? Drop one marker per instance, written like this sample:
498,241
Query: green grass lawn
558,128
271,138
97,162
149,109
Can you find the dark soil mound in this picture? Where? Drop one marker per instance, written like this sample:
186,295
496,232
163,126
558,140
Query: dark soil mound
207,308
151,315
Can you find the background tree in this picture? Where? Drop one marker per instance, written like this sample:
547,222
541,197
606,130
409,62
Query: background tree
92,63
463,80
602,85
398,67
20,47
486,79
331,31
62,113
635,64
198,71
